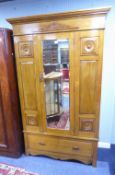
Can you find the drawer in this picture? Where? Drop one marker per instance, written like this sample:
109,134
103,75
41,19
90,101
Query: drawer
60,145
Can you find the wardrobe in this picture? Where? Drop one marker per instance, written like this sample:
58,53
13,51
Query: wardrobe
11,139
59,67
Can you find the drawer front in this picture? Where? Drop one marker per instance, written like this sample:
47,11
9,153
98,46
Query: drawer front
46,143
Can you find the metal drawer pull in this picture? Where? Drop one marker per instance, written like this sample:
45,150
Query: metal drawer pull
41,143
76,148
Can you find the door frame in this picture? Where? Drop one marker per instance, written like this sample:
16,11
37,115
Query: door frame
38,38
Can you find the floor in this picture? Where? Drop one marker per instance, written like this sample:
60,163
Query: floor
108,155
48,166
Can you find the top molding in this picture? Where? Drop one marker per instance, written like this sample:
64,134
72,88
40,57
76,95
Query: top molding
49,17
60,22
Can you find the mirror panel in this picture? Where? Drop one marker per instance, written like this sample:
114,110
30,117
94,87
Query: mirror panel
56,83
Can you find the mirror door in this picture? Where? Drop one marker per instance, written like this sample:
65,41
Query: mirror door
56,79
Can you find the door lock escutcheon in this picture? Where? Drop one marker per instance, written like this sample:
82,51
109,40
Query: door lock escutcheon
41,77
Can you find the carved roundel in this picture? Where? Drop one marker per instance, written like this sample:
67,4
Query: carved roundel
89,46
25,49
32,120
87,125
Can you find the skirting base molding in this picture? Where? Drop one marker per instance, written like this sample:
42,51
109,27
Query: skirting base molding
104,145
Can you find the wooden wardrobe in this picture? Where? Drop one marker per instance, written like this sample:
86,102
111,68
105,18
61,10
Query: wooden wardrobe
11,139
59,65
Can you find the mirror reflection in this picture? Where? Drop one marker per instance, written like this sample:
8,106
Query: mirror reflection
56,78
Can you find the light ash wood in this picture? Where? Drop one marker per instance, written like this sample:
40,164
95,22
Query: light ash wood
86,19
85,32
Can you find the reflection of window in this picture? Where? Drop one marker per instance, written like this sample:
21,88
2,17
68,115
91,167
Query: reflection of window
64,55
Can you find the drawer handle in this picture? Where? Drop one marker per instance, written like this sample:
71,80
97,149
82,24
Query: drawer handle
42,144
75,148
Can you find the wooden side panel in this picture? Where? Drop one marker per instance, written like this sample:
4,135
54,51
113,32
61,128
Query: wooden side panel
28,89
28,84
87,99
88,82
10,124
2,124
